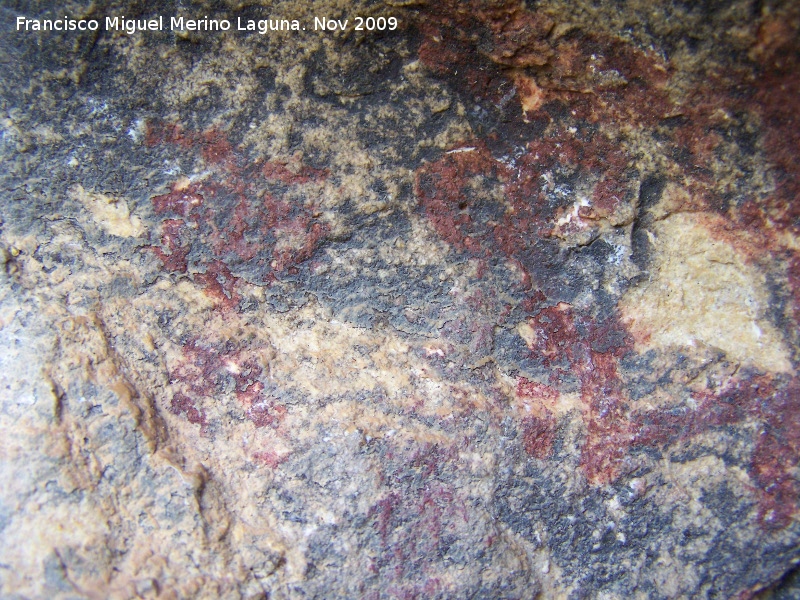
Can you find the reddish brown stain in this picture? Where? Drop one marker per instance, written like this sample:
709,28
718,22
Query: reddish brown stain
481,45
531,303
777,454
413,520
219,283
443,188
493,52
777,99
172,252
270,458
236,215
213,143
513,229
182,404
207,371
181,200
608,432
384,509
772,405
573,344
266,415
215,147
533,390
475,47
293,174
538,435
518,37
556,338
611,431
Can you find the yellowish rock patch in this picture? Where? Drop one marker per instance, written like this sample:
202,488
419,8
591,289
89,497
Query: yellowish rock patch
703,291
110,213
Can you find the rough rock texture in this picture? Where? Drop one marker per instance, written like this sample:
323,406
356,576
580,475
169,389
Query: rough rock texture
503,303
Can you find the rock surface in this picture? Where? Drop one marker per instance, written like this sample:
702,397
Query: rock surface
501,303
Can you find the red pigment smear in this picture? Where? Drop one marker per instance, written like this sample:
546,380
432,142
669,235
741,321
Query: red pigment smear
486,43
517,37
383,510
181,200
538,435
533,390
531,303
608,432
411,523
777,455
777,100
511,36
174,259
213,143
266,415
444,191
205,369
182,404
556,337
276,171
498,52
538,431
611,432
237,214
270,458
219,283
774,405
571,343
441,187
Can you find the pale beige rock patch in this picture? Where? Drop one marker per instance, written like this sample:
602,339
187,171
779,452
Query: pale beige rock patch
112,214
702,291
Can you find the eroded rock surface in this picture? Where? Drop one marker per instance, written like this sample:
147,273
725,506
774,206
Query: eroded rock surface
502,303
